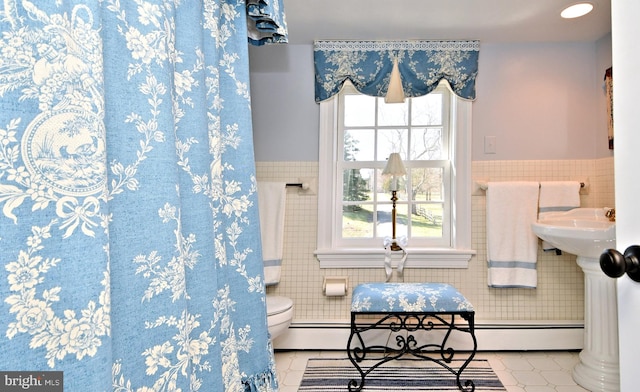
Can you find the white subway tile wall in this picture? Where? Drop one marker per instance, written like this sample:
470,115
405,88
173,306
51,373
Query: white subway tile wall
560,292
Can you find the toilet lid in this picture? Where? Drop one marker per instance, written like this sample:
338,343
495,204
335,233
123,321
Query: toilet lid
277,305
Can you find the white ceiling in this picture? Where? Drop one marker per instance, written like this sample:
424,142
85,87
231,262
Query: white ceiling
484,20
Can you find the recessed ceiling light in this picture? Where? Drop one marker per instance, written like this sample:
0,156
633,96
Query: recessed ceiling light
576,10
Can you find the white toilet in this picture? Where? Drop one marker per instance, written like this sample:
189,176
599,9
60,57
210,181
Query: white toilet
279,314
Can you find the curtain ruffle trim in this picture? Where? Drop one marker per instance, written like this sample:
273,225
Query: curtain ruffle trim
377,46
263,382
266,22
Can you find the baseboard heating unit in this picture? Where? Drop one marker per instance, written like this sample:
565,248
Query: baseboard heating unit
491,335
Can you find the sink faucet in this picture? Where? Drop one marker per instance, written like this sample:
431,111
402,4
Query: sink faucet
611,214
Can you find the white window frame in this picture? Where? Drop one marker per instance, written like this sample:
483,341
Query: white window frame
332,255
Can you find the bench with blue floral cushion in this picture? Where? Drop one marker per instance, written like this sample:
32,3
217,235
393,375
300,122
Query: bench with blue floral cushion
410,311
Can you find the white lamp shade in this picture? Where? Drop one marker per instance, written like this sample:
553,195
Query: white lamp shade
394,167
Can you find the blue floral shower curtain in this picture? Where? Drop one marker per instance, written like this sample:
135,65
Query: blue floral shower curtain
129,240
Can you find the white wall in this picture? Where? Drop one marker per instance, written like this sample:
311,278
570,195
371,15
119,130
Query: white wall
540,100
285,115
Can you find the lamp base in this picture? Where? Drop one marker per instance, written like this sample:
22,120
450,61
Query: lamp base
395,247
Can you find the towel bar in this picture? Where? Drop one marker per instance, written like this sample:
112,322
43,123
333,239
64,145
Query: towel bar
306,186
302,185
484,185
480,187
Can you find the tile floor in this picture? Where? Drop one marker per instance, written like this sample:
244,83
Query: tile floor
518,371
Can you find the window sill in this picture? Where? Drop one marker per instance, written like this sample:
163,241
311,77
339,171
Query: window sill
374,258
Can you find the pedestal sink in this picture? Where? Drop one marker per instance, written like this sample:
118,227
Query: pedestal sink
586,233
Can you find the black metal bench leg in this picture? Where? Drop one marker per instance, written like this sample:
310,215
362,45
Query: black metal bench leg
356,355
469,385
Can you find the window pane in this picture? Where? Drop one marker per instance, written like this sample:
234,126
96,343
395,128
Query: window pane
426,184
385,228
392,140
384,194
359,110
401,220
426,144
359,145
357,221
372,130
426,220
426,110
357,185
392,113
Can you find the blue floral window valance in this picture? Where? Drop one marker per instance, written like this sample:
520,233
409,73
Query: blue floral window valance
421,65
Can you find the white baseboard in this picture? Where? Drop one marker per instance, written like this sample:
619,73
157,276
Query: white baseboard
490,336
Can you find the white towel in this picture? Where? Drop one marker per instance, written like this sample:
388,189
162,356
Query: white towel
512,246
559,196
271,206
